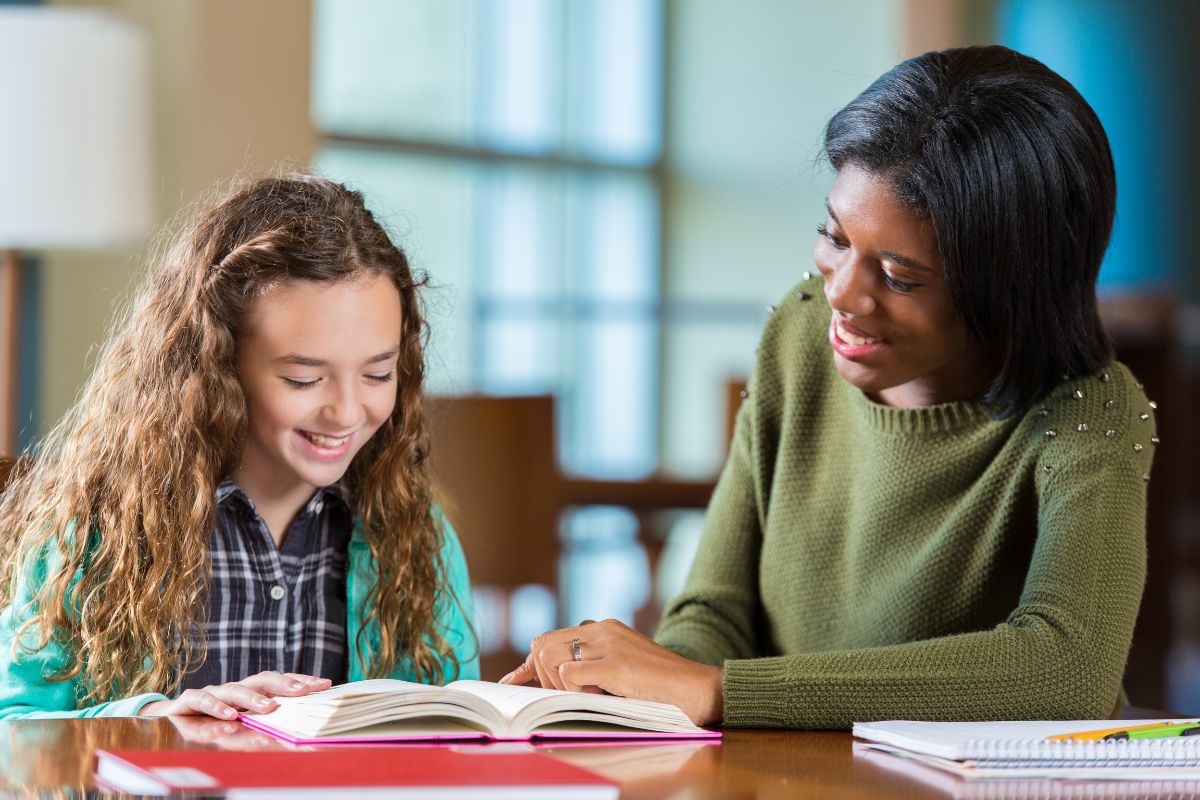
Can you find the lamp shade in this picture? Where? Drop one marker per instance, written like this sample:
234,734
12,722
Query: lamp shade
74,129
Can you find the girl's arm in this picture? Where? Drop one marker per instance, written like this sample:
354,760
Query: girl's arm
25,690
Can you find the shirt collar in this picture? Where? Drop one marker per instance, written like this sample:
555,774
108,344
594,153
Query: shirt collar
228,490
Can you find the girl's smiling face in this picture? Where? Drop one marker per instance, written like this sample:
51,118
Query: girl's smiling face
895,334
317,364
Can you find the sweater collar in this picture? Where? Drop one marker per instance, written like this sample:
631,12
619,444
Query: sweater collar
940,418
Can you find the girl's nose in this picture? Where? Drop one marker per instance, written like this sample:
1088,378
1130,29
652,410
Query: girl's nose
345,409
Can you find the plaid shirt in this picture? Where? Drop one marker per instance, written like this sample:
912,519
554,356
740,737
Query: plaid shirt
276,608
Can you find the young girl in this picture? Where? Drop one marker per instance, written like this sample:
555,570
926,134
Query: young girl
934,506
239,507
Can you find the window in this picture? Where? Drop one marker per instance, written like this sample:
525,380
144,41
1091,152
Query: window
515,147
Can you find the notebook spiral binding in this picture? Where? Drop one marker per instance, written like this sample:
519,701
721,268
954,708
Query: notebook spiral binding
1174,751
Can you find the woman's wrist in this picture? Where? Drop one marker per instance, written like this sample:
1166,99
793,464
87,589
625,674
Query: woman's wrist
714,696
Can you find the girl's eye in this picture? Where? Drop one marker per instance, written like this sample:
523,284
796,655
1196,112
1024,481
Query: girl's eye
899,286
823,230
384,378
295,384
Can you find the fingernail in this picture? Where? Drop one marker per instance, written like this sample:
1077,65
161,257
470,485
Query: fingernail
505,678
295,685
229,712
229,729
263,701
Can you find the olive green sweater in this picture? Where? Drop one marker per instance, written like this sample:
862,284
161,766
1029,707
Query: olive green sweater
862,562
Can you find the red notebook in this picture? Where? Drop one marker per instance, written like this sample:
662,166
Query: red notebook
375,772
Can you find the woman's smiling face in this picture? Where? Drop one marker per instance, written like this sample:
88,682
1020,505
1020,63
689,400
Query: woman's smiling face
895,334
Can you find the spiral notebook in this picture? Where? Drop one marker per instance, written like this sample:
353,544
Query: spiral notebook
1022,749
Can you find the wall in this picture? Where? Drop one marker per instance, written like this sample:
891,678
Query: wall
230,93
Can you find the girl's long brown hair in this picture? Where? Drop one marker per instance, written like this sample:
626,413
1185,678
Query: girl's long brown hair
121,493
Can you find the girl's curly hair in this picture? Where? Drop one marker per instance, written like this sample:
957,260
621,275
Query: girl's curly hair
138,458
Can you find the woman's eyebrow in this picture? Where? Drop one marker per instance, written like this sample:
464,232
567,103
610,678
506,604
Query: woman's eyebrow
309,361
903,261
829,211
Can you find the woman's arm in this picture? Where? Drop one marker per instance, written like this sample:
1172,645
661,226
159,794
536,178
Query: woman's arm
716,615
1060,654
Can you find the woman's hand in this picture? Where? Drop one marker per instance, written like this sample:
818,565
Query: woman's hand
252,695
617,659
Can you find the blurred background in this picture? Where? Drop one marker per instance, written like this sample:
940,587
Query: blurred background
607,195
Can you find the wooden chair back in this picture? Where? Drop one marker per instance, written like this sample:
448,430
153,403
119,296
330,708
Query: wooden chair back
6,466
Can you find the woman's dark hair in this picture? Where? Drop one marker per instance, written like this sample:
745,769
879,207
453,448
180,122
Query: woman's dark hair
1013,169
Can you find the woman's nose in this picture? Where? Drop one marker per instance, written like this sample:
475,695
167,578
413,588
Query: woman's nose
848,289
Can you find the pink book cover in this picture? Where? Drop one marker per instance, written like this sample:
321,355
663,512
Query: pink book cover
252,721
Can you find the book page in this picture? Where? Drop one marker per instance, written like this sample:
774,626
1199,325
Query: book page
527,707
508,700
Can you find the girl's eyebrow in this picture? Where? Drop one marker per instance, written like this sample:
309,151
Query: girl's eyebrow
308,361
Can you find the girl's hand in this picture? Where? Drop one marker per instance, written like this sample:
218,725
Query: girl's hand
252,695
223,734
619,660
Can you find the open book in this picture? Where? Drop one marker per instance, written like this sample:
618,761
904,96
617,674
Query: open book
389,710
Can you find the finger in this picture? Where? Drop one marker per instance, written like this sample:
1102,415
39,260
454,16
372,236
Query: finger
199,701
239,695
539,669
593,675
276,683
521,675
313,681
549,656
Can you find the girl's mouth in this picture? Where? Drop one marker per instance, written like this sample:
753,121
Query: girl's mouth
322,447
327,442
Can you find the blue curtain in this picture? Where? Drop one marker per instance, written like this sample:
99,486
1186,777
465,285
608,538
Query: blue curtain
1135,62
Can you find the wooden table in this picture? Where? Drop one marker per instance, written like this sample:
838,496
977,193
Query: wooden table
55,758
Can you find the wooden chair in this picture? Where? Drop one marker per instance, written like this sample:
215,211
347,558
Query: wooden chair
6,465
497,475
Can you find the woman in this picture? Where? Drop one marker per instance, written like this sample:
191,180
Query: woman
934,505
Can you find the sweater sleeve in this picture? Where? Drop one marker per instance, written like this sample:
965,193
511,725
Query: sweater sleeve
716,615
26,691
1060,653
455,611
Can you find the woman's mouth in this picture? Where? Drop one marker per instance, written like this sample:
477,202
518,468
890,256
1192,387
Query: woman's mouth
851,343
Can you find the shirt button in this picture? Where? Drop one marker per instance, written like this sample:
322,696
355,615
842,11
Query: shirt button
277,593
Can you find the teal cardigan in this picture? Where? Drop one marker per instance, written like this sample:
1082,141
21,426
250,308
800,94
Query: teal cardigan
25,693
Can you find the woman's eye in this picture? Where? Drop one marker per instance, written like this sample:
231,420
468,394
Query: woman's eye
295,384
384,378
823,230
899,286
